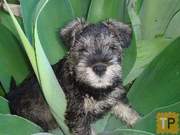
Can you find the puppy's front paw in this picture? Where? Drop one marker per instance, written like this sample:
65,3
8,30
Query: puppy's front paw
126,114
133,118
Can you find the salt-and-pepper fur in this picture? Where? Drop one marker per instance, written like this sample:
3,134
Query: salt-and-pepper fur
90,93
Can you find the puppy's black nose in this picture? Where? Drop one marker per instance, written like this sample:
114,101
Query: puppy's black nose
99,69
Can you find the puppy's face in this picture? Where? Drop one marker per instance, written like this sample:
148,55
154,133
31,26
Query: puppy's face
96,51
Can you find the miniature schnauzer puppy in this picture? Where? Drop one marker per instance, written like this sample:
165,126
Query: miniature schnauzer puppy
90,75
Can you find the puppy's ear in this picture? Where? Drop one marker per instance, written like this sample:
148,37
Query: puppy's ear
121,30
69,31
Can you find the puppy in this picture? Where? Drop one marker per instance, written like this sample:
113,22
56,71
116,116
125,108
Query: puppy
90,75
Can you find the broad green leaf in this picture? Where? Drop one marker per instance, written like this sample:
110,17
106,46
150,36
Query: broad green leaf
135,20
127,132
26,44
156,15
80,7
27,10
4,107
147,50
54,16
172,31
158,85
149,122
108,123
45,75
5,19
131,52
49,83
148,24
15,125
1,91
139,5
12,59
77,7
114,123
100,10
129,55
100,125
5,79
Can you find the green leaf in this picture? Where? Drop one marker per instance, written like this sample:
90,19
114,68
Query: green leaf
149,24
1,91
158,85
127,132
45,74
49,83
172,31
129,55
5,19
114,123
26,44
155,18
5,80
80,7
103,9
100,125
147,50
77,7
139,5
12,59
135,20
108,123
54,16
131,52
149,122
27,10
14,125
4,107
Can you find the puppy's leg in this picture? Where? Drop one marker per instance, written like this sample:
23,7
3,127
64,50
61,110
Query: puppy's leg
94,107
81,128
83,131
99,107
78,122
126,113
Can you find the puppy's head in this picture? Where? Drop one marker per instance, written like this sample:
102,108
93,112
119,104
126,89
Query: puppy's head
96,50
